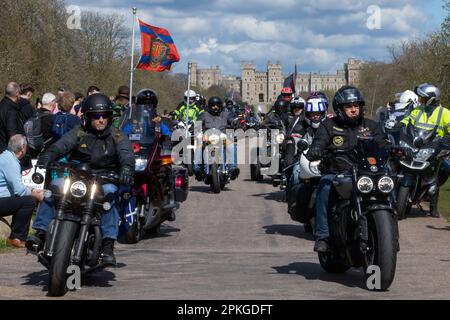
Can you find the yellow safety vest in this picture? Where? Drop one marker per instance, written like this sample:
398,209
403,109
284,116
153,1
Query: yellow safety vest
440,116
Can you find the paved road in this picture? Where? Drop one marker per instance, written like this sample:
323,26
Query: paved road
241,244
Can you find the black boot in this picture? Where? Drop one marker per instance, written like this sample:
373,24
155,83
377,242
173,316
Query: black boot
108,258
321,245
36,242
234,173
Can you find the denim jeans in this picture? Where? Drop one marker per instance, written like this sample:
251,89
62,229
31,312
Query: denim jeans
294,177
229,150
110,219
322,201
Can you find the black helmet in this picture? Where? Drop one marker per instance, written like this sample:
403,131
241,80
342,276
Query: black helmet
297,103
348,95
97,103
147,97
215,101
280,106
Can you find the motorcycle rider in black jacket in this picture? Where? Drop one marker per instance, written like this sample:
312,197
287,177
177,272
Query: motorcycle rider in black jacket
105,150
216,117
303,127
338,134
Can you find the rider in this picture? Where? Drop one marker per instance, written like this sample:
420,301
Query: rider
278,115
194,110
427,115
97,143
338,134
297,106
303,127
287,95
216,117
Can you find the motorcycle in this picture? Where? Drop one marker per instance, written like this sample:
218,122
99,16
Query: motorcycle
363,221
159,186
216,174
259,170
74,236
189,132
420,174
302,203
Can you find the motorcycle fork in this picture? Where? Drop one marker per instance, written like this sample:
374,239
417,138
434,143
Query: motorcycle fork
84,231
59,217
361,219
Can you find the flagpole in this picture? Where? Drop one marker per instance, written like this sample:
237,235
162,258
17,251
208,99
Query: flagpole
132,58
189,89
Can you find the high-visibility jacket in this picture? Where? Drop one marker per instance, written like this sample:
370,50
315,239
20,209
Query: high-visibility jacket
440,116
193,114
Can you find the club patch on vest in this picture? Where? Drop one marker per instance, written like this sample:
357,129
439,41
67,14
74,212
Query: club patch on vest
338,141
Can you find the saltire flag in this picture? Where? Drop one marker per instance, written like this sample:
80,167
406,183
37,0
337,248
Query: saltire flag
158,49
290,81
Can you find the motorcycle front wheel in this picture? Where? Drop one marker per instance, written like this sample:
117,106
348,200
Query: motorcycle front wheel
57,285
382,247
215,178
403,204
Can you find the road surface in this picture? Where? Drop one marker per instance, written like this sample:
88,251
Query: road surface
241,244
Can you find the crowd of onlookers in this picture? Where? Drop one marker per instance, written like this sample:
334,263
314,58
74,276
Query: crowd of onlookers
58,113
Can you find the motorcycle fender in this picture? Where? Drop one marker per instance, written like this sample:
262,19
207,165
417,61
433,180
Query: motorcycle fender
381,207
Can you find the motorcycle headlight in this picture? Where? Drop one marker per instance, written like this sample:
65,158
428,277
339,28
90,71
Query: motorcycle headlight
424,154
141,164
386,184
365,185
214,139
280,138
78,189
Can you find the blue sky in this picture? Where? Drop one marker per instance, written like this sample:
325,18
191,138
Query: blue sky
318,35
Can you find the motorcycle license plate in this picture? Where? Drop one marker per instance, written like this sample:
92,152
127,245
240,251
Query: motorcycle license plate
135,137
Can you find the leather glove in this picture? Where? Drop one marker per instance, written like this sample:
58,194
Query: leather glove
43,160
126,176
314,154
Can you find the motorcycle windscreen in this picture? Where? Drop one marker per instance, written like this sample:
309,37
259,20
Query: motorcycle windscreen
139,127
371,158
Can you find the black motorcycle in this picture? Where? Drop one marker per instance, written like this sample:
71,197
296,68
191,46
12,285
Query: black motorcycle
259,170
74,236
363,221
420,171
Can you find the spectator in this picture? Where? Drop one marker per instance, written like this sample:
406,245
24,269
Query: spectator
15,198
123,96
47,117
9,115
65,121
92,90
26,108
78,103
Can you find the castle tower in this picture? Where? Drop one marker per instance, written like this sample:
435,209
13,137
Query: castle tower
274,82
194,70
353,69
248,83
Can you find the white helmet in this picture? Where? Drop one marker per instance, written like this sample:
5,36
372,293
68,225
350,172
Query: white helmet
407,99
316,104
190,94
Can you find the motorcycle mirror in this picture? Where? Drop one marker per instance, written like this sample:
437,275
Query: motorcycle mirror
37,178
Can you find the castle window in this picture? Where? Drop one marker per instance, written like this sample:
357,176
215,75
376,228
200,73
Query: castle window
261,97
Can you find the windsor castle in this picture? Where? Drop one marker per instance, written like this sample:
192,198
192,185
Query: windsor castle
264,87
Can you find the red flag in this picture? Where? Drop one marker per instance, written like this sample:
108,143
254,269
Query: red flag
158,49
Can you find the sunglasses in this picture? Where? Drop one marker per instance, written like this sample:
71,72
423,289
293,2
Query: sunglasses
98,116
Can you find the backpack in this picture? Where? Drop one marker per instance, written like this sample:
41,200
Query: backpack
60,125
33,131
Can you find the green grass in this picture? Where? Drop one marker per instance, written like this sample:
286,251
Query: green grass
4,247
444,200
